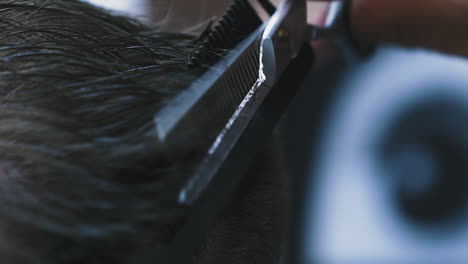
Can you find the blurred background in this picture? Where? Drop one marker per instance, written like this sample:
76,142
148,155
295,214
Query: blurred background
172,15
382,146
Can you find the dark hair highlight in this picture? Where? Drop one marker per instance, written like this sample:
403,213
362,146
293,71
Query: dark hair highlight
80,169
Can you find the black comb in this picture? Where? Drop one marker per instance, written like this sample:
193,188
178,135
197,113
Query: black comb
239,21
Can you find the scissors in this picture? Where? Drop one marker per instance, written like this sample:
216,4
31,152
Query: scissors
244,93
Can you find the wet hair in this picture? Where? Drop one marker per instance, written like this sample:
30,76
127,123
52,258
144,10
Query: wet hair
82,177
80,169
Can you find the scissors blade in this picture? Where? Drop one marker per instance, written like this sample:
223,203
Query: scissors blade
254,71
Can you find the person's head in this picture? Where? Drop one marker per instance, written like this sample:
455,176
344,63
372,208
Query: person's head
82,177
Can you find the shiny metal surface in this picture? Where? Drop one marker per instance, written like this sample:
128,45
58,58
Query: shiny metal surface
282,38
268,55
248,126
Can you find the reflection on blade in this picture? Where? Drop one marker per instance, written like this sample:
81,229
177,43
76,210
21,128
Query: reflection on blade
228,137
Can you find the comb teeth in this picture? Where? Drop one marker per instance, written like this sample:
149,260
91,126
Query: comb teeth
239,21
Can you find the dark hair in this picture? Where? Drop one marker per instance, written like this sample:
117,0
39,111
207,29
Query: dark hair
82,177
80,170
